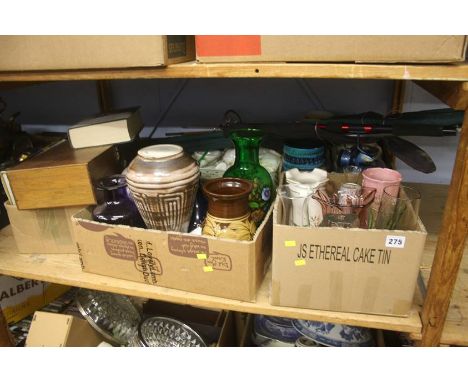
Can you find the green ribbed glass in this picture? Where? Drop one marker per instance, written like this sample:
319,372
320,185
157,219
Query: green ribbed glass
247,166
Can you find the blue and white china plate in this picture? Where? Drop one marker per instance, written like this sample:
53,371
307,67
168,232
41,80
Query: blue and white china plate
262,341
280,329
329,334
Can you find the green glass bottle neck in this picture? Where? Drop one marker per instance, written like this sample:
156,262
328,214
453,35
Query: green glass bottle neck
247,152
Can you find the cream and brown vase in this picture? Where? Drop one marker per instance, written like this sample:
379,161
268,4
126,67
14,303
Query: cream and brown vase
228,214
163,181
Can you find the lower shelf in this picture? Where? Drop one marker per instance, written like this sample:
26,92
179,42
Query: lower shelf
65,269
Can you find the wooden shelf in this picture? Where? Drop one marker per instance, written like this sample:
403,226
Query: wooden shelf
65,269
448,72
456,326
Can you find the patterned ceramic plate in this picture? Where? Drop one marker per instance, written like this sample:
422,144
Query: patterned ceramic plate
329,334
275,328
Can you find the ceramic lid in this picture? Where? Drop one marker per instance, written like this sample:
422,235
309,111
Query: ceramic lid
160,151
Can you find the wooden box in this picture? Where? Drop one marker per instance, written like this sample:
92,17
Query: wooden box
59,177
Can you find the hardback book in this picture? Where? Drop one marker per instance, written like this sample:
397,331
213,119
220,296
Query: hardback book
106,129
59,177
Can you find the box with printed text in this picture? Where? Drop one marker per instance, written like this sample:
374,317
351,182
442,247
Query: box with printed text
200,264
345,269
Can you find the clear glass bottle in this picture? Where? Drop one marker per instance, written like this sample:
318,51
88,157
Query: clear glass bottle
247,166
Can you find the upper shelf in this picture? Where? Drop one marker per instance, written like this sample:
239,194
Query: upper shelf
447,72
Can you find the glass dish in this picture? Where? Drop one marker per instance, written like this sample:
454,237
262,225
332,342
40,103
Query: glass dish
112,315
166,332
346,205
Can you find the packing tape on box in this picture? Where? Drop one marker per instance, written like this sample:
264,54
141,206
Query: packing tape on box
336,291
275,292
402,307
51,224
370,294
303,295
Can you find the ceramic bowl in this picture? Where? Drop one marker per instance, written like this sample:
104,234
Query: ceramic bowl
305,342
263,341
337,335
312,179
303,155
159,164
208,158
279,329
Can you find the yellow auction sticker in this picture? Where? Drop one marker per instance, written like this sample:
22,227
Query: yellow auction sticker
299,262
201,256
290,243
208,268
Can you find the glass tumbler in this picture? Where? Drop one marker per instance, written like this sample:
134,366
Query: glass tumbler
352,173
294,201
399,208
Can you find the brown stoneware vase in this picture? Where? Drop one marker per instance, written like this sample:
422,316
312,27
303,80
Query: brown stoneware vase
163,181
228,209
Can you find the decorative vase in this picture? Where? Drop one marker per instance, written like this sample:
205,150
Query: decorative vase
163,181
228,209
199,212
247,166
118,207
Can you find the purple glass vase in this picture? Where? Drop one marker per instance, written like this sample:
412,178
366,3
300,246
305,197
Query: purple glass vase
118,207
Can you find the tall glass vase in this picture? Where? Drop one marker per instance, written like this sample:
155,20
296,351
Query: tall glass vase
247,166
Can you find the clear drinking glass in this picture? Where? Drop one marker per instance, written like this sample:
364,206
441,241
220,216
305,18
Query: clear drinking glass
294,202
399,208
352,173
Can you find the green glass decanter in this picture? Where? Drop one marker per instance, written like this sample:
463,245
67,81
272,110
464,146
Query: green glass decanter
247,166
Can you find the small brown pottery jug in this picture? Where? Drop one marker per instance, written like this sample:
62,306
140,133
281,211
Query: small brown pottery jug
228,209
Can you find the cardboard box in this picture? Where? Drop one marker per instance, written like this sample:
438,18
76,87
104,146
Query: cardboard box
21,297
199,264
345,269
331,48
93,52
59,177
45,230
61,330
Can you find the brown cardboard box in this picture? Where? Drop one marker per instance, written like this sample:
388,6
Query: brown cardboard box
346,270
331,48
21,297
45,230
61,330
93,52
199,264
59,177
